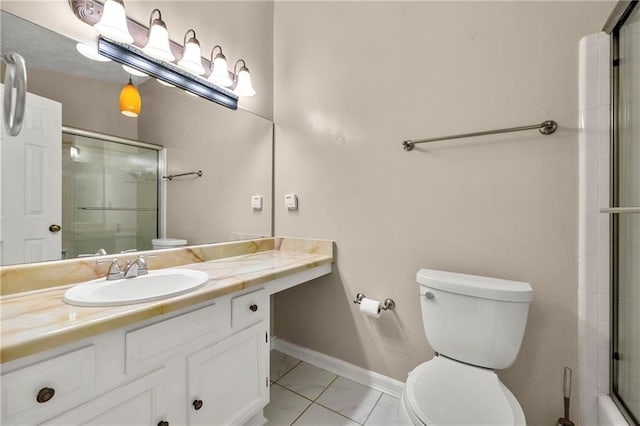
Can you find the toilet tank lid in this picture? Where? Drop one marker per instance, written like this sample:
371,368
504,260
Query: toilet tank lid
476,286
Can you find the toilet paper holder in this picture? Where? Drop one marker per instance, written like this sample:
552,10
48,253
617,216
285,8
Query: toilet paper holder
388,304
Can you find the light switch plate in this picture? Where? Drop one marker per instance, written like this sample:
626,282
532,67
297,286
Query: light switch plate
256,202
291,201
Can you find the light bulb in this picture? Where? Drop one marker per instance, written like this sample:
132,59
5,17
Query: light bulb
113,23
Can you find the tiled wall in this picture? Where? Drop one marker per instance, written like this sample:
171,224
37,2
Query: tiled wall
593,252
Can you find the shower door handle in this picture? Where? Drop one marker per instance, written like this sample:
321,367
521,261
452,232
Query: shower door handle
620,210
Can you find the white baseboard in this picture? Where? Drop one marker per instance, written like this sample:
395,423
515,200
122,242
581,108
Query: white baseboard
360,375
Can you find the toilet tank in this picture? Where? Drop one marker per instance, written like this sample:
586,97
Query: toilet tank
474,319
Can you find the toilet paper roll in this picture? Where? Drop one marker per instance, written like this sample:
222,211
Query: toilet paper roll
370,307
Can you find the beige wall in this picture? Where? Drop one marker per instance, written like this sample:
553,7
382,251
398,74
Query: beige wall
86,103
232,148
352,80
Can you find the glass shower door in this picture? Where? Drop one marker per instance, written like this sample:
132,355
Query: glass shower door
626,226
110,196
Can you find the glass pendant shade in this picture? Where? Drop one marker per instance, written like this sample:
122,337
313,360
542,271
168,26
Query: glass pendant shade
113,23
191,60
90,51
220,72
244,86
158,44
130,102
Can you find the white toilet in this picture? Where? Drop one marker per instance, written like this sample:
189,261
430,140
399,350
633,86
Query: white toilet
475,325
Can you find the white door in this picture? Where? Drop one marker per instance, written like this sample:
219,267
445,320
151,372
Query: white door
31,174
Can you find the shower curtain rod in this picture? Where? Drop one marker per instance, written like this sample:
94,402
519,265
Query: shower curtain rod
546,128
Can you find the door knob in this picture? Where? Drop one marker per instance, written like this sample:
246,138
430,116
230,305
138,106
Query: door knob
55,228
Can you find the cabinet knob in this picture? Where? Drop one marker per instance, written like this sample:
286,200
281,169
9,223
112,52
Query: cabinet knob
55,228
197,404
253,307
45,394
163,423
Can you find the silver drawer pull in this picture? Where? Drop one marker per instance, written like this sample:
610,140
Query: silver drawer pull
620,210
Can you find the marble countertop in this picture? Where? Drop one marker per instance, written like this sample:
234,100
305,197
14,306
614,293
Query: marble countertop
38,320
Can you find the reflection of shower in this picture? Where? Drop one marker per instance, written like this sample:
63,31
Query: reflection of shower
110,193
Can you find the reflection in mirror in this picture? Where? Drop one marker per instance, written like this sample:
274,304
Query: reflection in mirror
109,195
118,202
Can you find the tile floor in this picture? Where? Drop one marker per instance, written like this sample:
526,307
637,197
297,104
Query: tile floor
302,394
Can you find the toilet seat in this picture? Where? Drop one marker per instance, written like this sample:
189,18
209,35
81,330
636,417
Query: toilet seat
444,392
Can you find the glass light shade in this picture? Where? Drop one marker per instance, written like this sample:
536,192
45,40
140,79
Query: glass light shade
220,72
113,23
244,87
134,71
158,44
191,60
90,51
130,102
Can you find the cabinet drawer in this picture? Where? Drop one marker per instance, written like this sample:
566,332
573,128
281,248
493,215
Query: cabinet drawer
48,387
148,346
248,308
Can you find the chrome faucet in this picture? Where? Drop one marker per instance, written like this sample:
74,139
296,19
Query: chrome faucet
114,272
137,268
131,270
100,252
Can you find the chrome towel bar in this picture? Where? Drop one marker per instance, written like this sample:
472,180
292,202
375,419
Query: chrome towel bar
170,177
545,128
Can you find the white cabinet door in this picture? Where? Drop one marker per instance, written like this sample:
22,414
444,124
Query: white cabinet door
137,403
31,195
228,382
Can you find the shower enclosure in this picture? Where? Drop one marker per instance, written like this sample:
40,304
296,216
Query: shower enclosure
625,217
110,194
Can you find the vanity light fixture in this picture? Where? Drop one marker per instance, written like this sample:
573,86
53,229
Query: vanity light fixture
113,23
243,80
219,69
158,44
191,60
156,58
166,72
130,102
90,51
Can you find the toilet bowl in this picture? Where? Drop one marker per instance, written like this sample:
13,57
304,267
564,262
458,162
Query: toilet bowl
475,325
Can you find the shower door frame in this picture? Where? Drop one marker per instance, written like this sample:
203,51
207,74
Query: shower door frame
617,19
162,167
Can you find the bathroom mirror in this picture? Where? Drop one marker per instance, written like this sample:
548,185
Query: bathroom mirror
233,149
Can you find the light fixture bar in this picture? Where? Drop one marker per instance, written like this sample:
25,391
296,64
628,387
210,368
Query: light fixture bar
135,58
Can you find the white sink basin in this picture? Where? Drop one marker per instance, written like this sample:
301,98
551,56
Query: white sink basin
155,285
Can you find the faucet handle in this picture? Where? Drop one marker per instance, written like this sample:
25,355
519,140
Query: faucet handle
114,272
142,263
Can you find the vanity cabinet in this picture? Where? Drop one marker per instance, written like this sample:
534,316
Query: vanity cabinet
206,365
228,381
